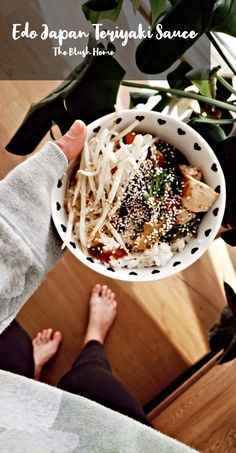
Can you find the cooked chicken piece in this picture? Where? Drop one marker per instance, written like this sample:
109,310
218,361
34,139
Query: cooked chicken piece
188,170
184,217
197,196
143,241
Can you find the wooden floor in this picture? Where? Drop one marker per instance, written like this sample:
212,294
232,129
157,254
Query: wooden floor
204,416
161,328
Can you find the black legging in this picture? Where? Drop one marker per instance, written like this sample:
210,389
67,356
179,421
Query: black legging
90,376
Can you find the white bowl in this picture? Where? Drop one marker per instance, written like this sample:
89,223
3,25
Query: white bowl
197,152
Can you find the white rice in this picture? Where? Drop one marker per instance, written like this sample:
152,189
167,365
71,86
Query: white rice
158,255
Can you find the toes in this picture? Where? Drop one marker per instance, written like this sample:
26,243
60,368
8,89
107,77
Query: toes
48,334
104,290
38,338
97,289
35,341
57,336
44,336
110,296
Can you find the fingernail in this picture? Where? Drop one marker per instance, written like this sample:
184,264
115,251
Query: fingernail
76,128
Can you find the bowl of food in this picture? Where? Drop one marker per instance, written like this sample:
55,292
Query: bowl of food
144,201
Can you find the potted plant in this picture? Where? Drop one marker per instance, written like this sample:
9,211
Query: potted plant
212,114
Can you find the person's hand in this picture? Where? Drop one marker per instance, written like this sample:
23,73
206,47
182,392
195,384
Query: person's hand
73,141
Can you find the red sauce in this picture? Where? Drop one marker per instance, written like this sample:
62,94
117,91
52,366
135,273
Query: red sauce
98,252
129,138
160,159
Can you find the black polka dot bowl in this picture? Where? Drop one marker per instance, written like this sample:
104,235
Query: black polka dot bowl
197,152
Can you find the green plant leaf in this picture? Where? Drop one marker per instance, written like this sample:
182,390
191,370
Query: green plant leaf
225,152
96,10
227,127
212,133
184,94
222,121
226,84
223,93
142,98
89,93
224,17
204,80
157,8
165,100
138,98
154,56
177,78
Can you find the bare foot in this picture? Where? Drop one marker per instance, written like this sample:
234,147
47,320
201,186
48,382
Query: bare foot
102,313
45,345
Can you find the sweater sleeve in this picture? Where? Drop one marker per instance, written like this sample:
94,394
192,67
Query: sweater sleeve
29,246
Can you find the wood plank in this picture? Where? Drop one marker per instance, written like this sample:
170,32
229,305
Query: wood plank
183,387
204,416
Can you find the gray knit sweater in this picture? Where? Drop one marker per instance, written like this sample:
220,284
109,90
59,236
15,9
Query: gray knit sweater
34,417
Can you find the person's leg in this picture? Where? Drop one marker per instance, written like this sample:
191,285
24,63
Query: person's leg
91,374
20,355
16,351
